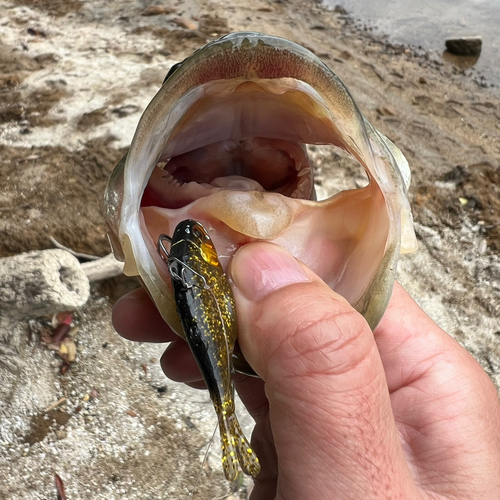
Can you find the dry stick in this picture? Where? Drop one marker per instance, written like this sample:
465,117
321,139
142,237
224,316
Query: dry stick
103,268
55,405
72,252
98,268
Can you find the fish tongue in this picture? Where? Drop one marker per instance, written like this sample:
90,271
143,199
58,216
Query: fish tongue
237,182
253,213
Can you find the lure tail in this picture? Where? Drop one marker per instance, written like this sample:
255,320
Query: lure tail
235,448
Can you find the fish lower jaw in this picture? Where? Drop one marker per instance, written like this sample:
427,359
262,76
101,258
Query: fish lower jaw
342,239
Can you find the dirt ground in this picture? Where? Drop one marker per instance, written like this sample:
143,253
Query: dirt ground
74,79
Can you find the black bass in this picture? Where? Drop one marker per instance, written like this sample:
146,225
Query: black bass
223,142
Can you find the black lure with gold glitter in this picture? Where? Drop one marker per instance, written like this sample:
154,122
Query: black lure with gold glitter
206,309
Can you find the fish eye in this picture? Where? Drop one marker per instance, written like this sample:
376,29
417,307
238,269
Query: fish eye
209,254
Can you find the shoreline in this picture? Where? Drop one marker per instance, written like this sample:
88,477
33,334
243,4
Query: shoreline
482,68
452,66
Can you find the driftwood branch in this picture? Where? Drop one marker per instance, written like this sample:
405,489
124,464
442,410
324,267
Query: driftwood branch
99,268
102,268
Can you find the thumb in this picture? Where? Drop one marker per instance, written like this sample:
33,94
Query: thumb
329,404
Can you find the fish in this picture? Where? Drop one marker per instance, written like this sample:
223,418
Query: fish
224,142
207,312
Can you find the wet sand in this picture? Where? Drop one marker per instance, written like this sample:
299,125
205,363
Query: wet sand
74,78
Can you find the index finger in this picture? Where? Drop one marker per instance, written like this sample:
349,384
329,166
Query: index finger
135,317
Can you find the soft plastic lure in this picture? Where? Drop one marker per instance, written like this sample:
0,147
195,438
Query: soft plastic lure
206,309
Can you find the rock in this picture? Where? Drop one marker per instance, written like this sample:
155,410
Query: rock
9,356
488,271
465,45
429,236
42,283
34,284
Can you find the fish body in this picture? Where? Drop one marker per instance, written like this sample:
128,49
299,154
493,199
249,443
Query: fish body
207,313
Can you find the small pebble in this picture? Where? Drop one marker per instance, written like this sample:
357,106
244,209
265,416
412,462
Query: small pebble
61,434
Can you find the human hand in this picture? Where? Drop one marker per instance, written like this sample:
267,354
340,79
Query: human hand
340,412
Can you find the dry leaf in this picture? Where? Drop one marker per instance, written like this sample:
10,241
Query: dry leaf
60,332
68,348
62,317
61,495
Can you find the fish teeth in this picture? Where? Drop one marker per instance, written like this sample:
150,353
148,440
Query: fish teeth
171,179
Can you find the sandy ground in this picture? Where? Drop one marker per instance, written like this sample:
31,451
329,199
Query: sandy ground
74,78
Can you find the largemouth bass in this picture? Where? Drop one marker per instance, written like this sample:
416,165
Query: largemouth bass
207,313
223,143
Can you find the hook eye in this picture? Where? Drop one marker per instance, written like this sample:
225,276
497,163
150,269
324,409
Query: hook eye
160,247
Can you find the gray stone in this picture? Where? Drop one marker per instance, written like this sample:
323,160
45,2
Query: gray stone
41,283
464,45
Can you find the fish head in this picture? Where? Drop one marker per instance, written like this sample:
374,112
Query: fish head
223,142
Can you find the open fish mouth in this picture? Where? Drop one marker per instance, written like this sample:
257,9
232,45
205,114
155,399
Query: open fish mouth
223,142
